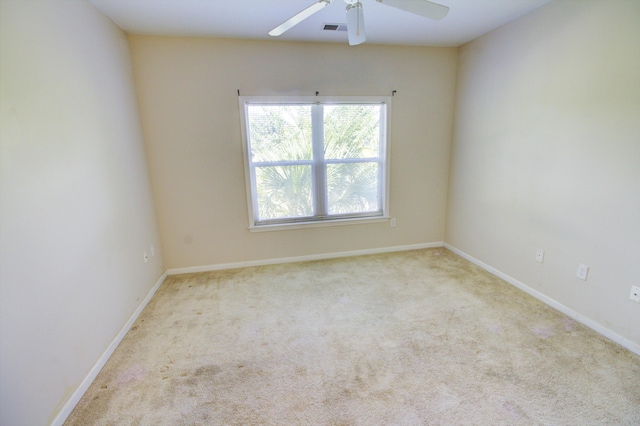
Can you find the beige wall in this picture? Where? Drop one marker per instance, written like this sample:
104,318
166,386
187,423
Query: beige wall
187,89
546,154
76,208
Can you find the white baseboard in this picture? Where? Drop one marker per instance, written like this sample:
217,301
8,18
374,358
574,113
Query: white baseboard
93,373
322,256
598,328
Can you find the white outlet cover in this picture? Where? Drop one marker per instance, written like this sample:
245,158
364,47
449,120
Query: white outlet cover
540,255
582,272
635,293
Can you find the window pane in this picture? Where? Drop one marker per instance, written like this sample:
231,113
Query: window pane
353,188
280,132
352,131
284,192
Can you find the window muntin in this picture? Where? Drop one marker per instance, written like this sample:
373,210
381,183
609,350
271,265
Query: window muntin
311,160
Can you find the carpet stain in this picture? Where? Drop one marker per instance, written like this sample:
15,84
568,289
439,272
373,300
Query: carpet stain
135,373
543,332
568,324
209,371
512,408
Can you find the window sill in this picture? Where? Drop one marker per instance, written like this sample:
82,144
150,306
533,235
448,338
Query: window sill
318,224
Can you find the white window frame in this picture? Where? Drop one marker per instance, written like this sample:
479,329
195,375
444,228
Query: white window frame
383,170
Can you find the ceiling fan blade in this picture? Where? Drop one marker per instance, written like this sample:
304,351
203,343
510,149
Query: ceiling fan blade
299,17
355,24
424,8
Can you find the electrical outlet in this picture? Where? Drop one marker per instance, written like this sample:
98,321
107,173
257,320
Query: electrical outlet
393,221
539,255
635,293
145,256
582,272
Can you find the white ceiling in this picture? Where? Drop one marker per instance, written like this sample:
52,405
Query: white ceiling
252,19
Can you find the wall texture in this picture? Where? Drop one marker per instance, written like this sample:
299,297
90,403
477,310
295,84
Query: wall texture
76,206
187,89
546,154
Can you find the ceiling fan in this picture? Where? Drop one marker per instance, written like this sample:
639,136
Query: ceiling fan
355,15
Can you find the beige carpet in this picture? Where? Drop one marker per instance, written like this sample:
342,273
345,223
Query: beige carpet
412,338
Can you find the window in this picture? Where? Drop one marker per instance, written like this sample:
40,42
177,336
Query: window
315,160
